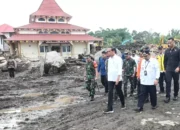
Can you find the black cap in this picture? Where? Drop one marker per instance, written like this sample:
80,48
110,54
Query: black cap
171,38
146,51
103,52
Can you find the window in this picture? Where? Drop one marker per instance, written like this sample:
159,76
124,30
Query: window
66,48
54,32
41,19
41,48
67,32
61,20
1,40
55,48
51,20
44,49
45,32
41,32
62,32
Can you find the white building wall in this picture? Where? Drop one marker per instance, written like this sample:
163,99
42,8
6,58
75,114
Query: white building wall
27,32
1,43
29,50
79,48
76,32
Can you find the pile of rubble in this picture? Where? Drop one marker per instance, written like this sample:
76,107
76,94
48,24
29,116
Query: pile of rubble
137,45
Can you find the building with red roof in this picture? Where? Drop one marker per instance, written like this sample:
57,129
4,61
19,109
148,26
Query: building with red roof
5,32
49,30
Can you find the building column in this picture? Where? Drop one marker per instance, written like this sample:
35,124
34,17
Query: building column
72,49
11,48
60,49
38,46
88,48
18,49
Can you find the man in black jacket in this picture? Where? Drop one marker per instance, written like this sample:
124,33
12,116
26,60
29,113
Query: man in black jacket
172,64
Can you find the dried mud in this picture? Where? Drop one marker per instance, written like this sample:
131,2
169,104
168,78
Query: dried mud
60,102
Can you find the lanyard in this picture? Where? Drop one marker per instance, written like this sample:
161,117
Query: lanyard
146,64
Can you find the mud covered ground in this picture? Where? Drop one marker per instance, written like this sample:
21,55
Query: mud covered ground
60,102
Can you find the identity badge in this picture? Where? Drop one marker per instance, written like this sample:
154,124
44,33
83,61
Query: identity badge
145,73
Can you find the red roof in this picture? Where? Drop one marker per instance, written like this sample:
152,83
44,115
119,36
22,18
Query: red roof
6,28
50,8
52,26
52,37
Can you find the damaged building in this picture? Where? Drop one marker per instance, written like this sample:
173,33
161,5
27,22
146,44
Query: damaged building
49,30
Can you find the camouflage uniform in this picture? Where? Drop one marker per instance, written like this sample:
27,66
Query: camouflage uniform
90,78
128,67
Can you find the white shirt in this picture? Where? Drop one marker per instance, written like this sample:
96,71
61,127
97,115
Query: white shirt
114,68
136,59
152,69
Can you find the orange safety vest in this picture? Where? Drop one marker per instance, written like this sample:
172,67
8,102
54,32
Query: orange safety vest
139,68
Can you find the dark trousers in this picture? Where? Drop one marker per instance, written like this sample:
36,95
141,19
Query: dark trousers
145,90
135,81
130,78
161,81
138,88
104,82
118,87
169,76
11,72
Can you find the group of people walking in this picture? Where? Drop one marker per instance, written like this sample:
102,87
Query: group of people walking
144,72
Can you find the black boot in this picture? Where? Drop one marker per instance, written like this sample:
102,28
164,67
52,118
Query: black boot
92,98
167,100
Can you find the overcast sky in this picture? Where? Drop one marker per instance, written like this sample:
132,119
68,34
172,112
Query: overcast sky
154,15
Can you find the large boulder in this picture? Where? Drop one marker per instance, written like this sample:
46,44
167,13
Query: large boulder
3,63
54,59
99,54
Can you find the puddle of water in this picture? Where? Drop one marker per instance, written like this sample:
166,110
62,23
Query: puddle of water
168,112
168,122
32,95
10,124
40,108
156,121
65,100
10,111
59,102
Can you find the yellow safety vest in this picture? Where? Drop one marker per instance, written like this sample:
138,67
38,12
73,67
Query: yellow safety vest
160,59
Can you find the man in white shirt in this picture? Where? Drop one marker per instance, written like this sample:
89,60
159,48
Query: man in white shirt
114,79
149,76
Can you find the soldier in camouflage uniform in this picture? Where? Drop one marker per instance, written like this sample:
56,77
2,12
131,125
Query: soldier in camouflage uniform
91,76
129,68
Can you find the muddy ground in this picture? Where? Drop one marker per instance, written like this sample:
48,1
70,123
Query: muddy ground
60,102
